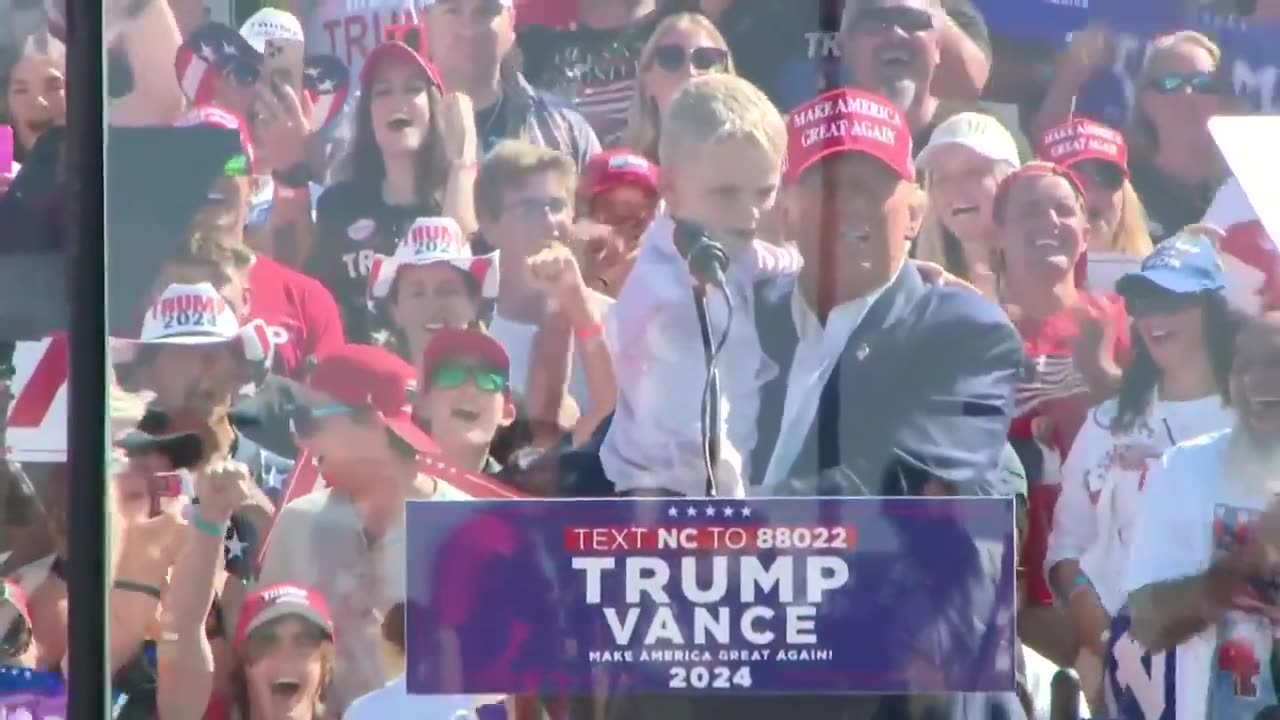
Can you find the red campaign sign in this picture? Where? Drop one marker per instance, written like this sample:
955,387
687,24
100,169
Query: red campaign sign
38,415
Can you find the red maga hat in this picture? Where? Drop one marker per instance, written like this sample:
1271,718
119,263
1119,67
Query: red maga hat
847,120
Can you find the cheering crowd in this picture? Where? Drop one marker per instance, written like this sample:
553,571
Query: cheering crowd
376,252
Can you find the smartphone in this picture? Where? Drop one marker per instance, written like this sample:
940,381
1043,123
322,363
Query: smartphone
6,149
163,486
283,61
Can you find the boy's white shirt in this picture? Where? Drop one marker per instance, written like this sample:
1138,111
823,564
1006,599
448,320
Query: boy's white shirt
655,440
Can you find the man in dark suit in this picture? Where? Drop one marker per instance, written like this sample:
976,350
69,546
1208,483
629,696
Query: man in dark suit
887,386
883,377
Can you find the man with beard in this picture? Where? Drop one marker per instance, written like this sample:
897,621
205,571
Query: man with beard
1206,554
894,48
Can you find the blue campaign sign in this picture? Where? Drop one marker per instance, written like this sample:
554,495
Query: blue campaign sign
744,596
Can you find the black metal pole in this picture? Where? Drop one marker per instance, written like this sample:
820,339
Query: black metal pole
88,683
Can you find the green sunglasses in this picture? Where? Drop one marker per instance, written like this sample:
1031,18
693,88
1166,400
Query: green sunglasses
237,166
451,375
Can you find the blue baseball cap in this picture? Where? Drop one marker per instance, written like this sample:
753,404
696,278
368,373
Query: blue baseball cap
1185,264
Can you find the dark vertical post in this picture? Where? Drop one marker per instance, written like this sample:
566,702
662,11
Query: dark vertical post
829,12
86,506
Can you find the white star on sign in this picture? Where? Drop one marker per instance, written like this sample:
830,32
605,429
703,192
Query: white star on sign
710,511
325,85
206,52
746,512
673,511
728,512
228,48
235,548
692,511
311,72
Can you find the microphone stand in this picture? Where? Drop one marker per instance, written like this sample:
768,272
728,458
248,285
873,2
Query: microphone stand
710,408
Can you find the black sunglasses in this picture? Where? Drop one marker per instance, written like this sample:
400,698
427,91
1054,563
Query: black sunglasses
242,72
672,57
1200,83
1153,301
305,420
882,18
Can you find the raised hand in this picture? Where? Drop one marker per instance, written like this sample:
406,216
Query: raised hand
457,122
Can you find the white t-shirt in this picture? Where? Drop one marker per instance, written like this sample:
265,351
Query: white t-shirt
1103,478
394,701
517,340
1189,513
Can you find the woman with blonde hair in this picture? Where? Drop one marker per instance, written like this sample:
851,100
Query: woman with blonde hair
1176,168
966,158
1099,157
683,46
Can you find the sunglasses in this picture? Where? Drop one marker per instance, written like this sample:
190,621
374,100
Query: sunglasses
1108,176
1200,83
884,18
1158,302
534,208
242,72
305,421
237,166
672,57
452,375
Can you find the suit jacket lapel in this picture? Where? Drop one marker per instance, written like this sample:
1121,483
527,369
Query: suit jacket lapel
777,332
841,392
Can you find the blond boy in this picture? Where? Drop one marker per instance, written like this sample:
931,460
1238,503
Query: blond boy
721,154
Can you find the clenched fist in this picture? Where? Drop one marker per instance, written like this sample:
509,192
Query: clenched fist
223,487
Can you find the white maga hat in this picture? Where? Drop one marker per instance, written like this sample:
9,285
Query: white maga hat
432,240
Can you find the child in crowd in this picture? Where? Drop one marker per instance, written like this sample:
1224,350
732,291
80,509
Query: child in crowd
431,283
619,195
464,396
721,152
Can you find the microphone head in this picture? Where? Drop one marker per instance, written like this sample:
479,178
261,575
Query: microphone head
687,236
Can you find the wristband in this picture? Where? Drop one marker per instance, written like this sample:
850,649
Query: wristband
1078,584
589,332
296,177
208,528
136,587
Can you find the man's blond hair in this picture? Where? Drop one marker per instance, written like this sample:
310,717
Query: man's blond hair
513,162
719,107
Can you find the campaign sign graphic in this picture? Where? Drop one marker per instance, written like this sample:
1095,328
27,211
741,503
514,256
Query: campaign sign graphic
27,694
796,595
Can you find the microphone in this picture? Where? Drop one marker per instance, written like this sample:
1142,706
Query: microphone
707,260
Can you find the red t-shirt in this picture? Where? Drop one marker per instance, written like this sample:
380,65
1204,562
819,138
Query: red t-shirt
1052,388
300,313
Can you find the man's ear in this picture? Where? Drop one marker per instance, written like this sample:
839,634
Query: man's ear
508,412
667,190
919,203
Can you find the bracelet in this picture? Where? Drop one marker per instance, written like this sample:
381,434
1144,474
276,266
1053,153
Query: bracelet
588,332
136,587
1078,584
206,527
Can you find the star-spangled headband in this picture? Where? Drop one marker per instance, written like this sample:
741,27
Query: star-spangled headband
215,51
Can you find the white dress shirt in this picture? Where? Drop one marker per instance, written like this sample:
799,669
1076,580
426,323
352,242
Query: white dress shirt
817,352
655,440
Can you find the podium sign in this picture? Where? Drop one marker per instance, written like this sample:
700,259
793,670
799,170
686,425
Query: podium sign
792,595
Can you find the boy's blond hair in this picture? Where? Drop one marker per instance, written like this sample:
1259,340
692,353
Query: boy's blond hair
715,108
510,164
